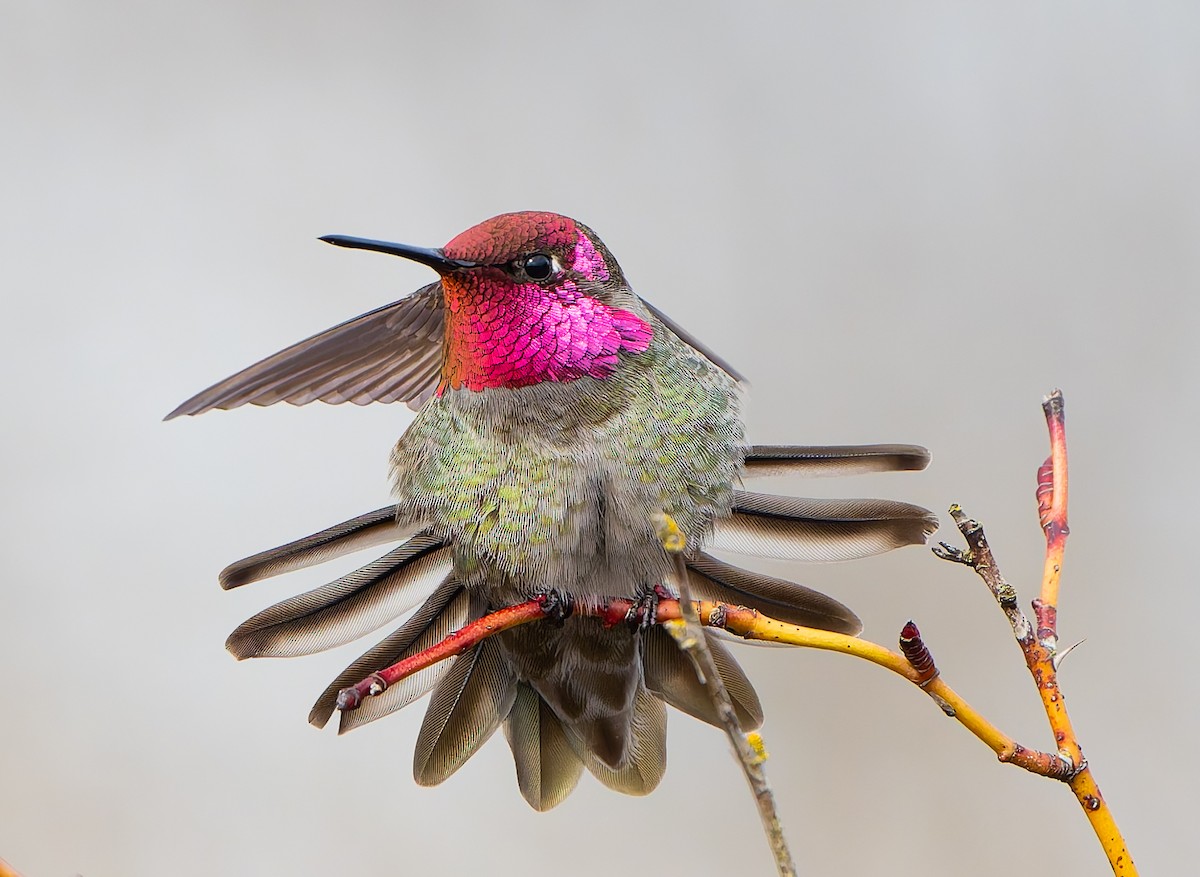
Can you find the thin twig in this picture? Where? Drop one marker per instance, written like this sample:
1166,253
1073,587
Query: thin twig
1055,522
691,639
1038,657
1039,645
455,644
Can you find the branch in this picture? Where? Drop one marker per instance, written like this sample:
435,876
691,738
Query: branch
746,623
460,641
689,634
1040,646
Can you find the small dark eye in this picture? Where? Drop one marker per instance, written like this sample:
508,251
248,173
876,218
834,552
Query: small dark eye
538,266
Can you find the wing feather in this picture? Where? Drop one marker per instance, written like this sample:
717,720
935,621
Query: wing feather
812,461
370,358
691,341
819,530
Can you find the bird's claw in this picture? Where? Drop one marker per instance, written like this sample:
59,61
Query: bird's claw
557,606
644,611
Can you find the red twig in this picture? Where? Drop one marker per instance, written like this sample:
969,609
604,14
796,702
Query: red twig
455,644
1052,508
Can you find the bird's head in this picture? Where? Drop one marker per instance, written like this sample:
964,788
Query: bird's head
529,298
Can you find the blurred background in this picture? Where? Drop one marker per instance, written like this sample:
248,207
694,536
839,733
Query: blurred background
902,222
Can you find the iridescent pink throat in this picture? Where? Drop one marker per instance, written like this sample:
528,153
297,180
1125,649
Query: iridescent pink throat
505,334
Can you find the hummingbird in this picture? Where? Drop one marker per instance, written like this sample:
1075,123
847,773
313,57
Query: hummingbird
556,413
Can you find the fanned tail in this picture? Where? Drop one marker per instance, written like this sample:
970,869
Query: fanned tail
493,685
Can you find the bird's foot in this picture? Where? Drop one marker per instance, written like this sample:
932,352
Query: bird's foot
644,611
557,605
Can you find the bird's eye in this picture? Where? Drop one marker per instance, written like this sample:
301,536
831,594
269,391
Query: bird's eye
539,266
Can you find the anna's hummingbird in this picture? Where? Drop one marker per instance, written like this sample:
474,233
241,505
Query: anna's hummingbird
557,413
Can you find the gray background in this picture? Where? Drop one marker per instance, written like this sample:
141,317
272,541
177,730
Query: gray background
903,222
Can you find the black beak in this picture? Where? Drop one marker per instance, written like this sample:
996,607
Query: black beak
435,259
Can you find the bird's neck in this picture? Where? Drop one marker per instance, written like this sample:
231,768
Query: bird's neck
504,334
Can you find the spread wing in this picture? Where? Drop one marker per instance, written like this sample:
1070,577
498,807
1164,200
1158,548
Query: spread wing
392,354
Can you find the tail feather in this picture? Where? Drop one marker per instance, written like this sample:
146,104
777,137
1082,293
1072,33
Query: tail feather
646,757
670,675
468,705
588,673
547,767
374,528
444,612
345,609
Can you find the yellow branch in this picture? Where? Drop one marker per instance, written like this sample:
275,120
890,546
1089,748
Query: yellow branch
1043,657
753,625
